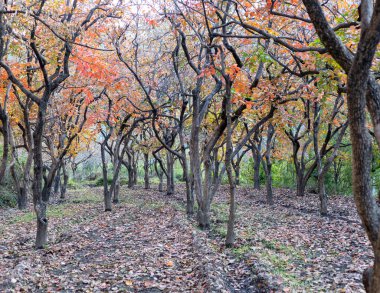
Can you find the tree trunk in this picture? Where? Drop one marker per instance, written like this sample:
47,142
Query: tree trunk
42,224
57,182
237,175
216,166
135,171
187,179
107,201
161,182
256,169
146,171
22,199
322,195
40,198
230,237
203,215
160,175
267,164
23,182
269,188
116,191
130,177
268,182
301,185
115,186
170,175
65,181
4,161
362,91
337,170
106,194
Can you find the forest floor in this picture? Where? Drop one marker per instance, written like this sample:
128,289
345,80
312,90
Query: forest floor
148,245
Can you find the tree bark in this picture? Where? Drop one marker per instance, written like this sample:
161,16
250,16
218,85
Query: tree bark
362,90
267,164
5,131
57,182
230,237
40,198
106,194
65,181
256,169
146,171
160,175
170,174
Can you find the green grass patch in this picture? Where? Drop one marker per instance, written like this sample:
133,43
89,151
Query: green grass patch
220,230
280,268
86,196
178,206
220,212
241,251
57,211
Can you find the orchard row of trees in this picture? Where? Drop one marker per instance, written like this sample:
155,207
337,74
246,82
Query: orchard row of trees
201,82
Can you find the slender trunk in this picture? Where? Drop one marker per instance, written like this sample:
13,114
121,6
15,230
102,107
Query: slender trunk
135,171
22,184
40,199
42,224
322,195
237,175
268,180
256,169
106,193
189,193
130,176
189,199
336,177
116,191
186,177
146,171
204,208
161,182
4,161
230,238
160,175
267,164
57,182
337,169
65,181
115,186
269,188
170,175
216,166
203,213
22,199
107,201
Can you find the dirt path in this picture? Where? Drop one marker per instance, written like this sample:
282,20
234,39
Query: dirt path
144,245
148,245
292,247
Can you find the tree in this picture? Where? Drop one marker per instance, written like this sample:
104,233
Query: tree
53,69
362,91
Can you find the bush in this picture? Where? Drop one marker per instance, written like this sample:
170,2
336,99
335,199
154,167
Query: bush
8,196
72,184
7,199
100,181
179,177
